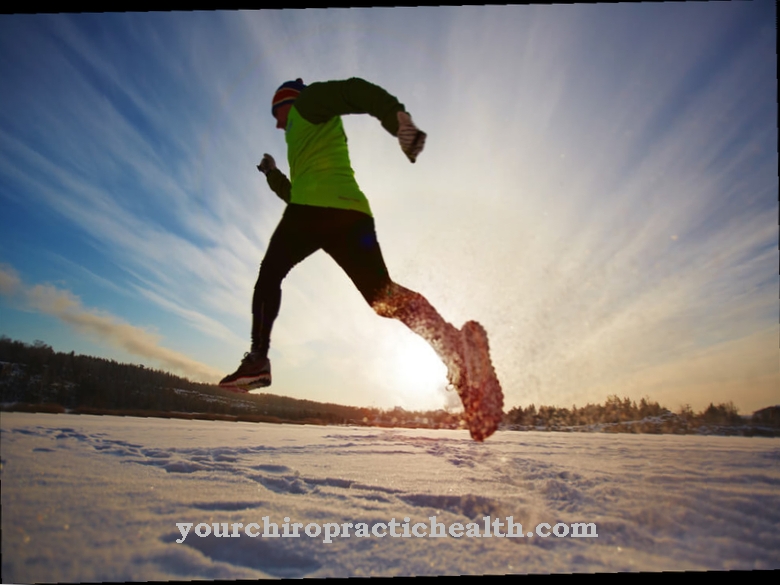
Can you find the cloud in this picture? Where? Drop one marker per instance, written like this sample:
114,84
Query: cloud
9,281
102,326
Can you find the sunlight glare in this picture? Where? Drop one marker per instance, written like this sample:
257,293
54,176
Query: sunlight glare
419,373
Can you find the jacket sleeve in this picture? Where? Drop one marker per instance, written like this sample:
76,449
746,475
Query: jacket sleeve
279,184
321,101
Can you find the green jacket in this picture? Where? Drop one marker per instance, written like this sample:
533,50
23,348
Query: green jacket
320,170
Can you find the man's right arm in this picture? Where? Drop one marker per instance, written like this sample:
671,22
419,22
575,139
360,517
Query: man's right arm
279,184
276,180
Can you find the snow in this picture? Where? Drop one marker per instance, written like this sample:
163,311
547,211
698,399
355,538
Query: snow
91,498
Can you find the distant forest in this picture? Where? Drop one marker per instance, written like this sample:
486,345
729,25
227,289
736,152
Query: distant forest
38,379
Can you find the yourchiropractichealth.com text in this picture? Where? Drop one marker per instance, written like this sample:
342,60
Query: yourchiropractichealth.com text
487,528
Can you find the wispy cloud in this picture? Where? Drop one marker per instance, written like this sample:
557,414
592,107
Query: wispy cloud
10,283
100,325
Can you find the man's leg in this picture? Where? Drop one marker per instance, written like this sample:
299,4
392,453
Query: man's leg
289,245
293,241
465,352
357,251
414,311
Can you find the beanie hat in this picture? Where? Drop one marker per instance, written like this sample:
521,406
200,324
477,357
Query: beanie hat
287,93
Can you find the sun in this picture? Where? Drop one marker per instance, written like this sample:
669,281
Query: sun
420,376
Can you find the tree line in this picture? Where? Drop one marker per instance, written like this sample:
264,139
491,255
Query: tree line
35,377
626,415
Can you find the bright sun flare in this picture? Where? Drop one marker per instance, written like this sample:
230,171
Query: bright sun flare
420,374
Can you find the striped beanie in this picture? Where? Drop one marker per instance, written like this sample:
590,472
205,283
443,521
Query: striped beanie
287,93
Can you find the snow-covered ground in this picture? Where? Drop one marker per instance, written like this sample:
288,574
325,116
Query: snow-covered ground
89,498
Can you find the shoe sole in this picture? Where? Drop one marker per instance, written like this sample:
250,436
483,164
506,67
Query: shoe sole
481,392
246,384
264,383
244,389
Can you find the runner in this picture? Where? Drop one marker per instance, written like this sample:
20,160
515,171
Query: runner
327,210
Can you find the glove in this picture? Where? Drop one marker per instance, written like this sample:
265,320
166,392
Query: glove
267,164
411,138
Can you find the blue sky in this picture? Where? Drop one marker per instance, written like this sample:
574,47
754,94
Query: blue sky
599,189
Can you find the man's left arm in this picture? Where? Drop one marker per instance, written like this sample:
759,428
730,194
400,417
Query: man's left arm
321,101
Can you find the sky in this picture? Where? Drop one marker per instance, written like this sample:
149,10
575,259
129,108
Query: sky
598,189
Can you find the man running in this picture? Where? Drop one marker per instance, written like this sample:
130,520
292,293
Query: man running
327,210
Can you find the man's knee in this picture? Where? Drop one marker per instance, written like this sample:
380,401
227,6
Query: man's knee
271,275
391,300
268,287
381,301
